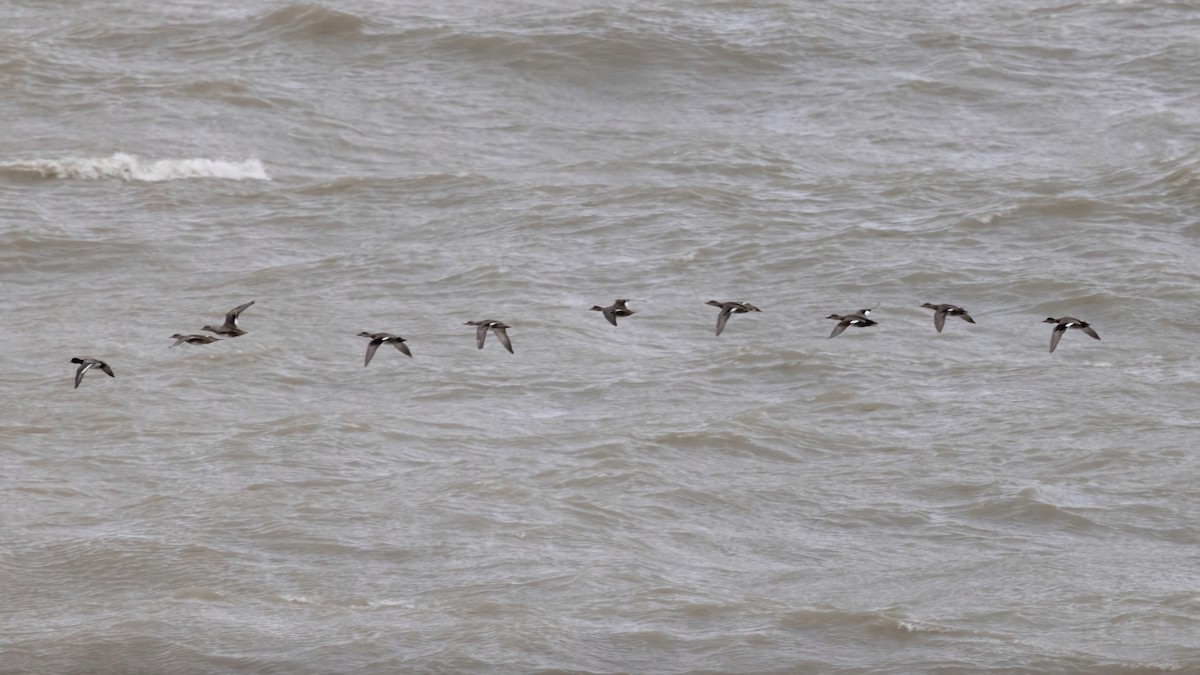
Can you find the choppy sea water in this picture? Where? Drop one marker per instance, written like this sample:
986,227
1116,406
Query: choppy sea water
645,498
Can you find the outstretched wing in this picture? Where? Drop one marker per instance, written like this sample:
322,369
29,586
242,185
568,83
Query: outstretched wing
723,318
502,335
232,317
79,373
371,347
402,347
939,319
1056,336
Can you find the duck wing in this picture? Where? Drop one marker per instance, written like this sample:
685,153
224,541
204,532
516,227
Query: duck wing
842,325
502,334
1056,336
232,316
402,347
372,346
723,318
610,313
83,368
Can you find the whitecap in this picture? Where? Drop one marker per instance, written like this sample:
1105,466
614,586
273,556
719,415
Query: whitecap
131,168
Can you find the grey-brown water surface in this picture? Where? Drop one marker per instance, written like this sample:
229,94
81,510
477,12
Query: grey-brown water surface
647,498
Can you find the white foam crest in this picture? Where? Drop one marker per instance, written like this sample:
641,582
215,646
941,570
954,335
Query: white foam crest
130,168
917,627
298,599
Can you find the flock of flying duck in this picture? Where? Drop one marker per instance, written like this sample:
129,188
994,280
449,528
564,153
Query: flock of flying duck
230,328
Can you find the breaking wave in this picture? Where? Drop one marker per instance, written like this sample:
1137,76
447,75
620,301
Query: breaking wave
130,168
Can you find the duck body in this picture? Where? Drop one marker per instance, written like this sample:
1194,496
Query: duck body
499,328
380,338
192,339
230,328
86,364
858,318
729,308
1062,324
940,312
614,310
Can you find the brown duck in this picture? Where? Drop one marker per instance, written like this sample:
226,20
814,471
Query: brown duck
500,329
614,310
728,308
230,327
380,338
86,364
1061,326
940,312
192,339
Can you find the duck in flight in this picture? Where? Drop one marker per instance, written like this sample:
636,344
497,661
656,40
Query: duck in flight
1061,326
380,338
858,318
614,310
192,339
230,327
940,312
500,329
728,308
86,364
